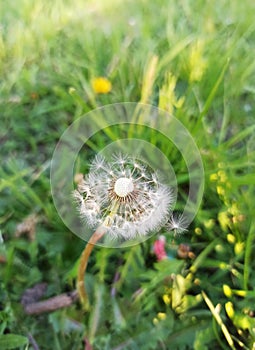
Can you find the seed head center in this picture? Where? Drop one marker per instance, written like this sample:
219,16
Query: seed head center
123,186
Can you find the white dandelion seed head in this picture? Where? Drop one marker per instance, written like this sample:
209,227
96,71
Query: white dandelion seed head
177,223
125,196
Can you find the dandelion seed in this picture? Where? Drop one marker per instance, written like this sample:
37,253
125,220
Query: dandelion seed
124,196
101,85
177,223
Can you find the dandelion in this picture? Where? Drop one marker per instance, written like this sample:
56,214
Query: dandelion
177,223
123,199
101,85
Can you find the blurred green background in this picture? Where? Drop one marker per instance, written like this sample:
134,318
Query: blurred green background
194,59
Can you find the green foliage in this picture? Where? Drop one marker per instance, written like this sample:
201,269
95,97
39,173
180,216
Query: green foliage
191,58
12,341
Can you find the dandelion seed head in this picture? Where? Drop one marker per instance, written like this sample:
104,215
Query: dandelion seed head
124,195
177,223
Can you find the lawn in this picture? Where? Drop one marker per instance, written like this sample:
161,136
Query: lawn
170,79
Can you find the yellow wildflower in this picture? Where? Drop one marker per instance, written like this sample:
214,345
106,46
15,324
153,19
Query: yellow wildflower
167,96
196,62
101,85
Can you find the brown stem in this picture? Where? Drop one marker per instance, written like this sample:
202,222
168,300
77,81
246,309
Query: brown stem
83,265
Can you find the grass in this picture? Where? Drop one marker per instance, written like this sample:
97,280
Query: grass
192,59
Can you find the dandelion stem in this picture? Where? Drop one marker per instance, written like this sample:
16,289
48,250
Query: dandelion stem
83,266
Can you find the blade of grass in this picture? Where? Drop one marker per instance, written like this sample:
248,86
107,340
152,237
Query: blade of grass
219,321
211,96
199,260
240,136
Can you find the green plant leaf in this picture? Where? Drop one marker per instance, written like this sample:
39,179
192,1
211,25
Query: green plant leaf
12,341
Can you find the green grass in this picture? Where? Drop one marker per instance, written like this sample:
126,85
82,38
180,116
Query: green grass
192,58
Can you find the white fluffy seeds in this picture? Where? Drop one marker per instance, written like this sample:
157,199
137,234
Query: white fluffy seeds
125,196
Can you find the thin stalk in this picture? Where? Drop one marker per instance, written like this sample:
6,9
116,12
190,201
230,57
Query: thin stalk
100,231
218,319
83,266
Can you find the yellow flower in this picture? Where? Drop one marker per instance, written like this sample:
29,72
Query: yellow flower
101,85
167,96
196,61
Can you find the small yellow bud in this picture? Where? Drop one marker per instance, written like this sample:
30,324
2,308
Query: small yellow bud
224,220
229,309
213,177
219,248
199,297
197,281
220,190
209,223
231,238
166,299
223,266
161,315
222,175
227,290
189,276
239,247
241,293
221,165
198,231
193,269
155,321
71,90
